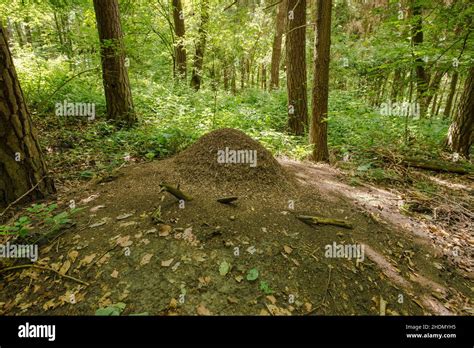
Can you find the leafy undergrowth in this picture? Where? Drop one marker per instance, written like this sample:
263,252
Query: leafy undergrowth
173,117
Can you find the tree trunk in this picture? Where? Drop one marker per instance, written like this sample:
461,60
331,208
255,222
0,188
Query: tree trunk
264,77
452,91
179,30
422,79
296,67
233,85
226,77
322,44
196,77
461,131
434,86
19,34
22,166
242,74
277,40
397,76
118,95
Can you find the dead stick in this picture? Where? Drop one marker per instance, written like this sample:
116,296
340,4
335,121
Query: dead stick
22,196
175,192
45,269
317,220
227,200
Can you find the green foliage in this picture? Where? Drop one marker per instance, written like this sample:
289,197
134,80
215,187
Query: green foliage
265,288
39,217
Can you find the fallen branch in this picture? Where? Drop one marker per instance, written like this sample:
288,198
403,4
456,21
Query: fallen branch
175,192
45,269
227,200
435,166
317,220
22,196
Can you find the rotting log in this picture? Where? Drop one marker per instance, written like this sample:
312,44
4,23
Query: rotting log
175,192
227,200
435,166
318,220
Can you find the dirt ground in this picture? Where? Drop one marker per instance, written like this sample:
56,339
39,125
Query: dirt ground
139,249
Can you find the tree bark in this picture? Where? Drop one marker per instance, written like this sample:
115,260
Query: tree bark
322,44
264,77
179,30
196,77
396,84
277,41
296,67
242,74
461,131
22,167
233,82
434,86
118,95
422,79
452,91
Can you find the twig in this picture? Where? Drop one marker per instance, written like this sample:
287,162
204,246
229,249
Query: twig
45,269
227,7
274,4
325,293
64,84
22,196
101,256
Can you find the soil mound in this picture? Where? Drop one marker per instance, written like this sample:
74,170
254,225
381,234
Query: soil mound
229,157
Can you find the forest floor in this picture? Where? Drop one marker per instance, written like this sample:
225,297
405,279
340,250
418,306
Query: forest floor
135,249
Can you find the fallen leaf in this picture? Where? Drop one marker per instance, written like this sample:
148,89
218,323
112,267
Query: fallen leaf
127,224
100,223
124,216
175,266
173,303
144,241
97,207
201,310
124,241
164,230
90,198
271,298
275,310
51,304
114,274
383,306
167,263
145,259
287,249
87,260
232,299
72,255
65,267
